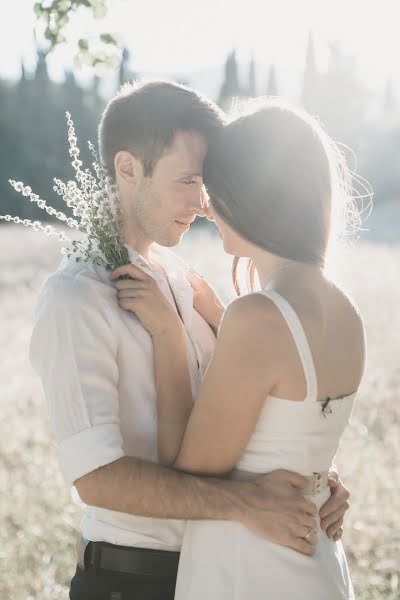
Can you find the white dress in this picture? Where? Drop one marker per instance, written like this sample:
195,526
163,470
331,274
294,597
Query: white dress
223,560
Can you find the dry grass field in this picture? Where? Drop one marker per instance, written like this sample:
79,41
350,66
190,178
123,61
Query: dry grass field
36,514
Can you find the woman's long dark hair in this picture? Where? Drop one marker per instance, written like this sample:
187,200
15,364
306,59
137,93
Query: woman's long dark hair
280,182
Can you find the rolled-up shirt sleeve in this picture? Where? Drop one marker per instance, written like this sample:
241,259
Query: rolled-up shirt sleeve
74,352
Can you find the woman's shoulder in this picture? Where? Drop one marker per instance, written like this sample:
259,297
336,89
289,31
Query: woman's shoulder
252,307
252,316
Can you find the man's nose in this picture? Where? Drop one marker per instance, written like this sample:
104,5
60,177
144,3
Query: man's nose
199,203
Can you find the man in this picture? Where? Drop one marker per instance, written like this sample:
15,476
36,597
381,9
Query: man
96,364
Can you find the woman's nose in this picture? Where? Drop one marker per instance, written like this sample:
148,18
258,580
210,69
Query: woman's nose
209,213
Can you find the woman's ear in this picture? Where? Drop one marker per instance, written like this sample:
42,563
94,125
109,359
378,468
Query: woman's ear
127,167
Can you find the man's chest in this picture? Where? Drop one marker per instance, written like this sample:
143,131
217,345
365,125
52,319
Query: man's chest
136,377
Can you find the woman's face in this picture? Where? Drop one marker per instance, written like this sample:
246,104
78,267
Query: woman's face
233,243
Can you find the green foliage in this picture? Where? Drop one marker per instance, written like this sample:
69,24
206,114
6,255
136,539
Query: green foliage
53,19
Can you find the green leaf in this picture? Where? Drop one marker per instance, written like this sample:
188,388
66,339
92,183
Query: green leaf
62,20
108,38
83,45
64,6
38,9
99,9
50,35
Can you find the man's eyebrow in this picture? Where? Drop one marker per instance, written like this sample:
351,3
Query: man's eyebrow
191,174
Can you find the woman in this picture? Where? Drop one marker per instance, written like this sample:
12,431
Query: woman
288,362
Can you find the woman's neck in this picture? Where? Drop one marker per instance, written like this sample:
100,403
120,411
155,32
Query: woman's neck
274,271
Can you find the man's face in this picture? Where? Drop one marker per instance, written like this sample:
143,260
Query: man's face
165,204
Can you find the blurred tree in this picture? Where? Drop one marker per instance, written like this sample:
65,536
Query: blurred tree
33,127
230,86
342,99
336,96
252,91
272,86
310,91
125,74
41,68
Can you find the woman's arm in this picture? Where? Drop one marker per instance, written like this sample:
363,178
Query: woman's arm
210,437
174,392
233,390
141,295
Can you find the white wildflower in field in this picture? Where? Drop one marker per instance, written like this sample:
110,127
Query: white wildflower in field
94,203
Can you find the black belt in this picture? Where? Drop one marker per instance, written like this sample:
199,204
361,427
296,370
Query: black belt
137,561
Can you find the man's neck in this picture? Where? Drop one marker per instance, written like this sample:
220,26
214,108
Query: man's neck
137,242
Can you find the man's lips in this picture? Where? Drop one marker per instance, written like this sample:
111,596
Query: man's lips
184,224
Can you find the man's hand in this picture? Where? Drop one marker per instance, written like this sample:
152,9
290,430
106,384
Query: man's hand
333,511
275,508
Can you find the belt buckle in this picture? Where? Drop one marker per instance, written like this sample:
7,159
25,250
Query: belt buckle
317,483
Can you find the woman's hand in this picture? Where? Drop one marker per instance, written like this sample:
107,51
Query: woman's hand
142,296
205,300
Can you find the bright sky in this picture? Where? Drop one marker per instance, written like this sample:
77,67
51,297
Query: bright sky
178,36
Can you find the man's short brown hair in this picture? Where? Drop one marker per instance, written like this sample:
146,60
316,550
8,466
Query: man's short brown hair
143,118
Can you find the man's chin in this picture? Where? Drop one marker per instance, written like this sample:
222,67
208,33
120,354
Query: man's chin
171,236
169,242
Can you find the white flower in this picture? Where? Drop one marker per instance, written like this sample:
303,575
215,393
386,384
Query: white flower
17,185
95,204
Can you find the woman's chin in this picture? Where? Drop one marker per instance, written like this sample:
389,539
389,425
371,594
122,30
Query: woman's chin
228,248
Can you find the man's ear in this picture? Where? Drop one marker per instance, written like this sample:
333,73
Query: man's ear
127,166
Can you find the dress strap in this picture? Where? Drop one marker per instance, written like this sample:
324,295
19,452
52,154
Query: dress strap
303,347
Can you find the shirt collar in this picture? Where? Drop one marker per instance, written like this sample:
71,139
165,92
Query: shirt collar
136,258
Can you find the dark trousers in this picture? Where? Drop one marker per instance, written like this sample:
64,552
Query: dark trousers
94,584
152,583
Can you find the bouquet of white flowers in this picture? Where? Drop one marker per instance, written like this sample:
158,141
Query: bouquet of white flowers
94,202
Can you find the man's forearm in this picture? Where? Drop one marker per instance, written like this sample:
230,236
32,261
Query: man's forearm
271,506
138,487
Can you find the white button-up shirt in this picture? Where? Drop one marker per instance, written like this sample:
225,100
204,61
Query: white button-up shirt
95,361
